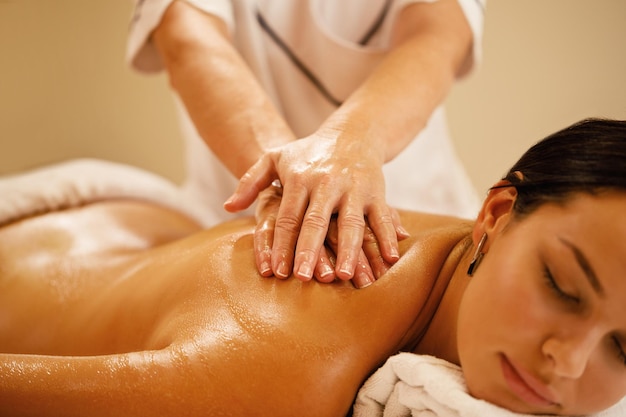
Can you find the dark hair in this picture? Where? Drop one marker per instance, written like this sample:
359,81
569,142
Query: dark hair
588,157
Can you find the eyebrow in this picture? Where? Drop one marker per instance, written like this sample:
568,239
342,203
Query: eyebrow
585,266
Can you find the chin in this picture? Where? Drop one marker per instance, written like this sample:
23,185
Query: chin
481,389
500,399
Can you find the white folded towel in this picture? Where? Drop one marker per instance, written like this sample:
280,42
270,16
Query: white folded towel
78,182
410,385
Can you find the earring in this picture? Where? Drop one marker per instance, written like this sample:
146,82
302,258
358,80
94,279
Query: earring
478,255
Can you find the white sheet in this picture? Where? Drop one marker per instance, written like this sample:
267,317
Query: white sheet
77,182
410,385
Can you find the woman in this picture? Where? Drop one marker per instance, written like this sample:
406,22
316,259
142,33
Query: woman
122,307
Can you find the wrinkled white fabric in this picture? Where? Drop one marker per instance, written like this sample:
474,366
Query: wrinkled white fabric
78,182
410,385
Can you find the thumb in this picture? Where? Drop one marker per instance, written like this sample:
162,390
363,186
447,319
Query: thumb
256,179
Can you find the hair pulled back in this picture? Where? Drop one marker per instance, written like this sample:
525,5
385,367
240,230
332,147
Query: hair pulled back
586,157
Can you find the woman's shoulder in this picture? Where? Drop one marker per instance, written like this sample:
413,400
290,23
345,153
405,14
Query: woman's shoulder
416,222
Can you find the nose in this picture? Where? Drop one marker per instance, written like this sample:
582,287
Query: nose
570,353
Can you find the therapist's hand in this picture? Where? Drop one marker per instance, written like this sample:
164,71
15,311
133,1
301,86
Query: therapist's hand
370,264
320,178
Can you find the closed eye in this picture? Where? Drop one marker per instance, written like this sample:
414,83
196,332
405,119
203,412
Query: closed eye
620,351
552,284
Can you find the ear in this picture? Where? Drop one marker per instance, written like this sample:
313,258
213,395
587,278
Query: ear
496,212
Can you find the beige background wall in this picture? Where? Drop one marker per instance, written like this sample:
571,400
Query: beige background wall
66,92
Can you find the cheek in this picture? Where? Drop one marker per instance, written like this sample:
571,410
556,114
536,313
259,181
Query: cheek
496,306
587,398
507,296
502,311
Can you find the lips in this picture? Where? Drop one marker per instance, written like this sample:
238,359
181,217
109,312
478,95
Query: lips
525,386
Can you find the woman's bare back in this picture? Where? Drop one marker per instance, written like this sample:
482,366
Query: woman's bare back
130,306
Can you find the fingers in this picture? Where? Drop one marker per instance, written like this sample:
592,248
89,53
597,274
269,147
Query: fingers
363,253
351,224
325,268
312,235
401,232
379,240
263,237
266,211
373,255
287,229
282,225
369,261
363,275
385,226
363,260
290,234
366,271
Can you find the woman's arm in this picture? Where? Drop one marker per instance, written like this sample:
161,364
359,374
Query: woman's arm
180,380
116,385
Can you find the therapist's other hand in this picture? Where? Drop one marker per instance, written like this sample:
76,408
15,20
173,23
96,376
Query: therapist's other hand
320,178
370,264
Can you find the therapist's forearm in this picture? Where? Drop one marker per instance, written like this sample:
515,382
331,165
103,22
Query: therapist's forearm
227,105
432,44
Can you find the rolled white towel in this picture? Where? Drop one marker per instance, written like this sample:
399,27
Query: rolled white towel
81,181
410,385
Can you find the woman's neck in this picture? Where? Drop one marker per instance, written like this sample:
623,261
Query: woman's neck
438,337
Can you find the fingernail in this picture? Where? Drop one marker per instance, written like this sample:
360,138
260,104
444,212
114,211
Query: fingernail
282,270
364,280
394,254
265,267
305,271
326,271
346,269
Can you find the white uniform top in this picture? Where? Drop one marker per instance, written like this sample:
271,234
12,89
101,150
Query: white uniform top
310,55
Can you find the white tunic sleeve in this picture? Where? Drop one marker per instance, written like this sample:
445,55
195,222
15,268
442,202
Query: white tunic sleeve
475,14
141,53
474,11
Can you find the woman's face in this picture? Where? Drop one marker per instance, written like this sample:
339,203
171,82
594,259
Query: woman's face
542,325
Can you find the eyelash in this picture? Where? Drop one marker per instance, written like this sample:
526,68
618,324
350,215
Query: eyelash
621,355
551,282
